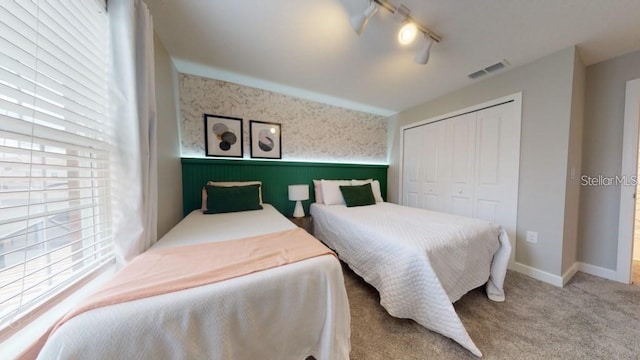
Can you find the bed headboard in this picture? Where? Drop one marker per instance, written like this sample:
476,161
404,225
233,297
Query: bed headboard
276,176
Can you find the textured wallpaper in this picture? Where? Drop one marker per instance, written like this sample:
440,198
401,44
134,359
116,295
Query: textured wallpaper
311,131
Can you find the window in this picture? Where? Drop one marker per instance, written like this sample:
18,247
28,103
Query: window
55,221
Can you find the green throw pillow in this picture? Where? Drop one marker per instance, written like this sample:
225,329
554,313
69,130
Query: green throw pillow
358,195
221,199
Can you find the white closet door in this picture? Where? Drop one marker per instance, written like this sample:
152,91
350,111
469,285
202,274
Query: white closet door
466,165
497,166
411,166
460,146
424,156
435,161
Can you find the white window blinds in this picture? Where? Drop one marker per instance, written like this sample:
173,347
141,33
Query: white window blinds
55,222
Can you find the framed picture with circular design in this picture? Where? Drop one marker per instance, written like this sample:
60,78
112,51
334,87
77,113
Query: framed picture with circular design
223,136
266,140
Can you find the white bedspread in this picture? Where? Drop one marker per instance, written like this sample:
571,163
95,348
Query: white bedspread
288,312
420,261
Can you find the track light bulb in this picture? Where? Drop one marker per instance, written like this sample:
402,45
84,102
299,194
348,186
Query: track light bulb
407,33
422,57
359,21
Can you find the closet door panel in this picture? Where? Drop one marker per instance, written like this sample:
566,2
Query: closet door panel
487,210
488,147
412,150
434,167
497,164
461,134
424,156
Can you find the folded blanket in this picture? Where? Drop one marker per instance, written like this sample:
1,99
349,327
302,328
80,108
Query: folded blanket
162,271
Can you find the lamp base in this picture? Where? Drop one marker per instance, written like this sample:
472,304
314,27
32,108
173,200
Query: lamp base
298,212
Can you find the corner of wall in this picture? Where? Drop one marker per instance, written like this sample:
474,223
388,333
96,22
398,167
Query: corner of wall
392,159
574,165
169,175
602,155
175,75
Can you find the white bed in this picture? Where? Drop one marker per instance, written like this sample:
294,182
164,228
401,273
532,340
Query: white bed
420,261
289,312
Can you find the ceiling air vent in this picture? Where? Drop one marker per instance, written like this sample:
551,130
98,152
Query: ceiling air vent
488,69
477,74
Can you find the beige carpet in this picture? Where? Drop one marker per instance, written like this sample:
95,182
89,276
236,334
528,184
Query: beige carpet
590,318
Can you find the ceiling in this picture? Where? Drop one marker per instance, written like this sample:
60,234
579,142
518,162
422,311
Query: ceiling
308,48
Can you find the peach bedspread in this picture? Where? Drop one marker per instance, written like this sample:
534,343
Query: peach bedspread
167,270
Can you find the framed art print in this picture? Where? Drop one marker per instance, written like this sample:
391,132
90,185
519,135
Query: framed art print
266,140
223,136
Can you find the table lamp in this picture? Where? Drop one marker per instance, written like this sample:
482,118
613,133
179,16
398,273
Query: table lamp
298,193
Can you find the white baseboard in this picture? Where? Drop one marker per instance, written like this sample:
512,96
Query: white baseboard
598,271
560,281
539,274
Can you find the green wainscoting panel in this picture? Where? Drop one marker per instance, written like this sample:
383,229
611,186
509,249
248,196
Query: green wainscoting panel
276,176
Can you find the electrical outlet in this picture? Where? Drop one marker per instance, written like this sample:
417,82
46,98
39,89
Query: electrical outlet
532,237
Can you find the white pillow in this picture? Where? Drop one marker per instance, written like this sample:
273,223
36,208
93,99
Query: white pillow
318,191
228,184
361,182
331,193
375,187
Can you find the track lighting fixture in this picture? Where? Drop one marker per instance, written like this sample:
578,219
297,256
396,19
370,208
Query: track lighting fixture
359,21
422,57
408,31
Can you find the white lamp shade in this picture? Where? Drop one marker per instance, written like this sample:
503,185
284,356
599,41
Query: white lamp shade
298,192
359,21
422,57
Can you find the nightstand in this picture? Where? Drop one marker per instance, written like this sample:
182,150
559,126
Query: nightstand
303,222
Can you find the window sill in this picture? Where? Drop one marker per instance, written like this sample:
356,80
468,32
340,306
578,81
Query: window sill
16,342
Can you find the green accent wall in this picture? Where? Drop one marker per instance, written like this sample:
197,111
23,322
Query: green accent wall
276,176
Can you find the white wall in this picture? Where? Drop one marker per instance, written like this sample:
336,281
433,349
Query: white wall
602,155
168,138
547,86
